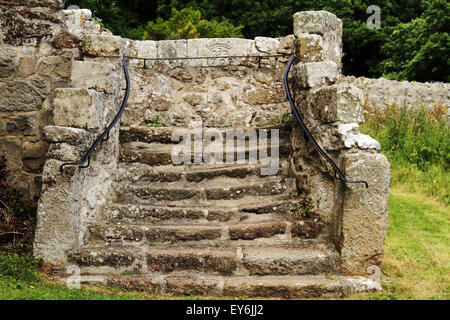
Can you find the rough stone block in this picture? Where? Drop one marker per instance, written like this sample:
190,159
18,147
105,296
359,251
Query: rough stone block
10,151
267,45
79,108
94,75
33,155
338,103
325,24
103,45
363,218
351,137
7,68
20,96
316,22
18,124
58,66
58,4
27,66
144,49
314,74
218,48
309,48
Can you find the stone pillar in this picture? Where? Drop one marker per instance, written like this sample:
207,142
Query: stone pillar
81,111
356,216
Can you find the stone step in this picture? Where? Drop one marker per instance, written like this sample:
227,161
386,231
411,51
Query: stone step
217,211
156,153
164,134
283,287
277,230
144,173
225,260
196,193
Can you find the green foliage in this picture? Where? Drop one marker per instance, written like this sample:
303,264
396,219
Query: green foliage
188,24
20,267
419,49
412,43
417,143
153,122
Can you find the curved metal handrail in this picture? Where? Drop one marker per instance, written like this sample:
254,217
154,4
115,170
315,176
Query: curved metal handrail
105,135
337,172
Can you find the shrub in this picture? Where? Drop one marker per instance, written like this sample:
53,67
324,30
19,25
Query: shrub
188,24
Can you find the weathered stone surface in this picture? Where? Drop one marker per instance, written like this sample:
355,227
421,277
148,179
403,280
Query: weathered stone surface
202,259
253,231
381,92
338,103
27,66
16,125
56,66
309,48
20,96
7,68
353,138
94,75
10,151
267,45
289,260
58,4
79,108
33,155
80,22
314,74
17,31
263,96
364,212
315,22
103,45
73,136
325,24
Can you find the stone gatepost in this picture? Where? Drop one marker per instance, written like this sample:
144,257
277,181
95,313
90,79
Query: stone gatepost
356,217
82,109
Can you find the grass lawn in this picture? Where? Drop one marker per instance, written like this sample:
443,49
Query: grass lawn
416,260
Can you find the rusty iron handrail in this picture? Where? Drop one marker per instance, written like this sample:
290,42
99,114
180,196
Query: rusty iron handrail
105,135
338,174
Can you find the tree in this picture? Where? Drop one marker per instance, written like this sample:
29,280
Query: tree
419,49
188,24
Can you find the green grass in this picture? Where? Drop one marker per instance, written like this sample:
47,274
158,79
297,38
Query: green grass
417,144
416,264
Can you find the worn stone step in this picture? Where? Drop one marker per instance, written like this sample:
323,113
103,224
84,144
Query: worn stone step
216,211
225,260
171,234
164,134
284,287
143,173
156,153
222,190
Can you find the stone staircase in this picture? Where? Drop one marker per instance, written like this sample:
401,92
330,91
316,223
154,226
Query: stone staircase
219,230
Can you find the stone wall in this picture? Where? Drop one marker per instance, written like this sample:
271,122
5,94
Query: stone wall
221,92
32,65
382,92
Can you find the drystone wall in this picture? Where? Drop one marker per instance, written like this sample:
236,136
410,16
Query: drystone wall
381,92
